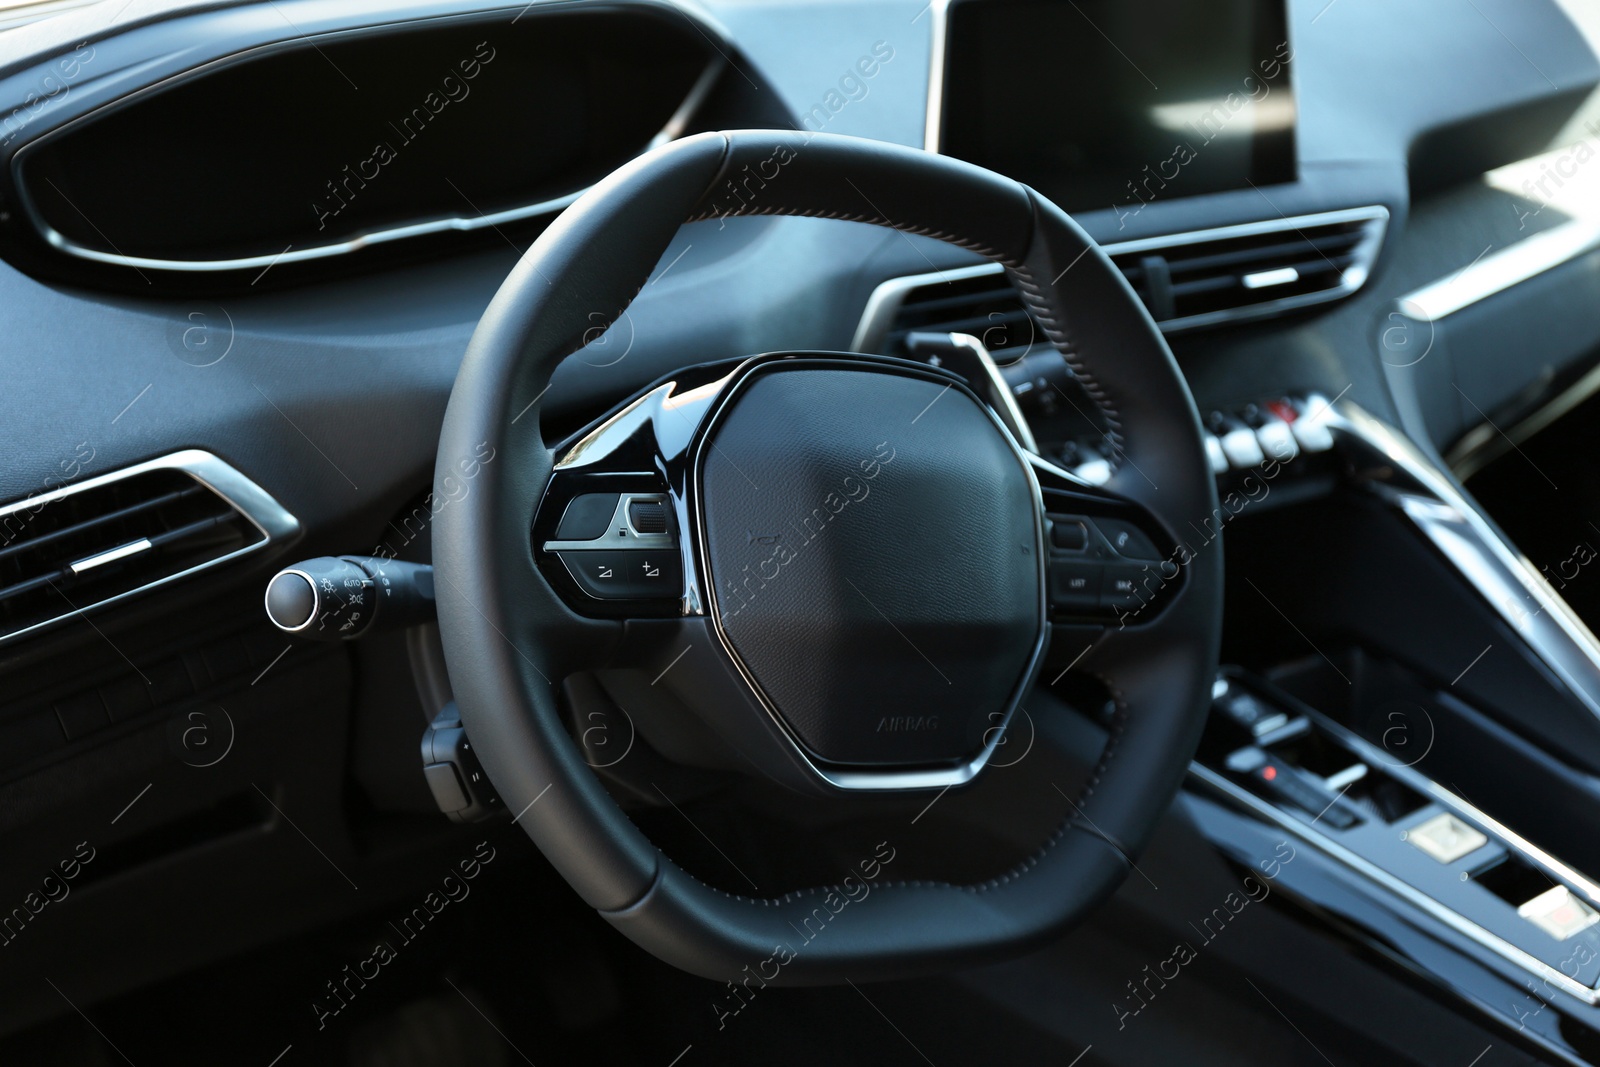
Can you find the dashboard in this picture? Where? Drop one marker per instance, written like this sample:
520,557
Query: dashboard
245,246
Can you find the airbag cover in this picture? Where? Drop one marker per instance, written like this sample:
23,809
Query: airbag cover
874,546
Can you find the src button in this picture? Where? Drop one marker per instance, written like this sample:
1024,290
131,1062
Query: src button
626,574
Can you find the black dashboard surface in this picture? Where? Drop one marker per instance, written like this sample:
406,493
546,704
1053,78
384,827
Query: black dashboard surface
336,367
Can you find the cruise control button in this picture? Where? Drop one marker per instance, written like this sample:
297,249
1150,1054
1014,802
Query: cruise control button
629,574
1129,541
1075,587
648,516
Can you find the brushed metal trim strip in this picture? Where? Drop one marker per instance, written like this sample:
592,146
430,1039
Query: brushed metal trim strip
1469,542
1383,879
1502,270
132,548
939,10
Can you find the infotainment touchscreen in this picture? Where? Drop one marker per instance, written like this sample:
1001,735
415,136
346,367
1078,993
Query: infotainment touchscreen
1116,103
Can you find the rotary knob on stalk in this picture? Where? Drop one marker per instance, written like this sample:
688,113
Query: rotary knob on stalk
336,598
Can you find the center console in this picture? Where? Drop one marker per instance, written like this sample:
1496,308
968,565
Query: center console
1368,807
1411,705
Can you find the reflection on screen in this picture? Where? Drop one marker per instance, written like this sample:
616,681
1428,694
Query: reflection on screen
1115,103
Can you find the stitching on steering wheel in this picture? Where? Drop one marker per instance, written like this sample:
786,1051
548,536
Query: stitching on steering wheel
1033,297
1016,871
1031,293
873,219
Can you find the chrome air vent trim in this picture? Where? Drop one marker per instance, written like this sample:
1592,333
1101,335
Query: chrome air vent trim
878,316
275,525
887,298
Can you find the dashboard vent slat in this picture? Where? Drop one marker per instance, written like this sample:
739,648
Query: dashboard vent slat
1254,271
1208,278
39,541
92,543
978,301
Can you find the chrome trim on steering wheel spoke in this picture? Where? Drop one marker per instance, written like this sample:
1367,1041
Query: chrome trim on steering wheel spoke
663,434
849,779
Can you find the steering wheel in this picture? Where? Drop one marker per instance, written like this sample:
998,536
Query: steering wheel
846,566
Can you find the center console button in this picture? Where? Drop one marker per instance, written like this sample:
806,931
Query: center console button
1251,713
1311,428
1214,453
1277,439
1446,838
1286,786
1239,442
1558,912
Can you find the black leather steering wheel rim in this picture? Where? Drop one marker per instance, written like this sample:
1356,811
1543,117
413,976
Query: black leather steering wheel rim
508,637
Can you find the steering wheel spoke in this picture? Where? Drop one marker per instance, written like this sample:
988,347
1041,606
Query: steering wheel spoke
1111,562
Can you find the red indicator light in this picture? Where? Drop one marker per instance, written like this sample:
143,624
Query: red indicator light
1269,772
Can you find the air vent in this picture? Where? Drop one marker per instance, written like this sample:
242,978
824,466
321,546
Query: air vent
978,301
87,545
1252,271
1188,280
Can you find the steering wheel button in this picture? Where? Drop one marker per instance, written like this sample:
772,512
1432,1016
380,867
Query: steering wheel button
648,516
445,782
1069,534
587,517
1122,588
1075,587
1129,541
636,574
